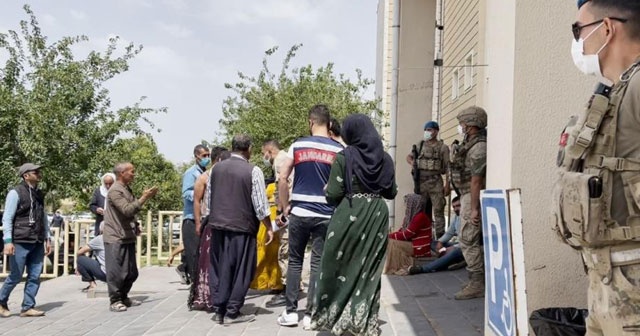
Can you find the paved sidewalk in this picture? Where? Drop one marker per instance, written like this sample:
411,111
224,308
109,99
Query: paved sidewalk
412,305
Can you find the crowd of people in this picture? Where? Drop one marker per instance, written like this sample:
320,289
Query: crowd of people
241,230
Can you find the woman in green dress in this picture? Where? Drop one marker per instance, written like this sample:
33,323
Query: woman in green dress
347,298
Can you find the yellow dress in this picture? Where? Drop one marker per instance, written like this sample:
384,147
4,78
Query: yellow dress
267,269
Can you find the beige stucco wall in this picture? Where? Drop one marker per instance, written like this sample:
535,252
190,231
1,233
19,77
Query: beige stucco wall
462,37
532,88
415,86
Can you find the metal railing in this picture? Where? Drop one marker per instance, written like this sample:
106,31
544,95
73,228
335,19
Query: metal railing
158,238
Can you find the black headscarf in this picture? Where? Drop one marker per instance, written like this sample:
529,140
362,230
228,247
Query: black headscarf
365,156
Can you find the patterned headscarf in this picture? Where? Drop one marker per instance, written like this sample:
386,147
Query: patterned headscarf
414,204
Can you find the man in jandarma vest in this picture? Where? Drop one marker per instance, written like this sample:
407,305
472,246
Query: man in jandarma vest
432,162
597,196
468,171
26,239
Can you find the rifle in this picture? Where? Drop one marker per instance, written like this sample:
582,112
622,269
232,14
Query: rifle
454,145
415,172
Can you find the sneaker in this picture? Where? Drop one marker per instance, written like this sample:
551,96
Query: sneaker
306,322
183,276
413,270
239,319
288,319
32,313
4,311
131,302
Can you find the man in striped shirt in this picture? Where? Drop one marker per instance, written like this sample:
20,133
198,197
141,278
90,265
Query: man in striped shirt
306,208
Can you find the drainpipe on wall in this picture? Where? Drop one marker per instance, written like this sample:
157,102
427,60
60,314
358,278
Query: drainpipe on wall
395,61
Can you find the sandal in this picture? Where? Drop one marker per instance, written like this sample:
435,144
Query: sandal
117,307
86,289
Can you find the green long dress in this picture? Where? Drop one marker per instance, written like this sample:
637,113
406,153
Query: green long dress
347,297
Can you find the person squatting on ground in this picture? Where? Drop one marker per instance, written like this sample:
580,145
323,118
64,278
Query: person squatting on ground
26,239
596,193
92,268
120,231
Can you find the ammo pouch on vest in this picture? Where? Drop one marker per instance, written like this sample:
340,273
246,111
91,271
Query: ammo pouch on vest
430,157
579,210
582,195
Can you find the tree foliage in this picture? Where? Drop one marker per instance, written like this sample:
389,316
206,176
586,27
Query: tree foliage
56,111
270,106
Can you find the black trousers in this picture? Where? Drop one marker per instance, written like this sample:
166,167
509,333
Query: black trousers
191,242
122,270
233,261
90,270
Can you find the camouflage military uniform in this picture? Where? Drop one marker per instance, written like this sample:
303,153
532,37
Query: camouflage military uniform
469,160
608,235
433,161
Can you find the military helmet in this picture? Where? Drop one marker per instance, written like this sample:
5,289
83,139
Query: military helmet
473,116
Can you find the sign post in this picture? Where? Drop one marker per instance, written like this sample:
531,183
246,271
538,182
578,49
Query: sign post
500,296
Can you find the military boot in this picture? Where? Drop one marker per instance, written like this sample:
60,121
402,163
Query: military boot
475,288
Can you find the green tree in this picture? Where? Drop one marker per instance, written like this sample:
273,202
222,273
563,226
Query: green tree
267,106
55,109
152,169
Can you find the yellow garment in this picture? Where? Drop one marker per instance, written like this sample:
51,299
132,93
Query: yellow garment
267,269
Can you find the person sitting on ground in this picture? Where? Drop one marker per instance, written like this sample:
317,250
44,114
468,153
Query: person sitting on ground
450,253
92,269
413,239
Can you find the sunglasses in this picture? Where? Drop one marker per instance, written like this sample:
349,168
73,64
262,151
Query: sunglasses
576,28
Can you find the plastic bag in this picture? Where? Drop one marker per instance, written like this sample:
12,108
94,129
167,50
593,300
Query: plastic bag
559,321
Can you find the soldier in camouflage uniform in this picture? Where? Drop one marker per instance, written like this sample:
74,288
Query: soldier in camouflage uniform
468,171
433,161
597,196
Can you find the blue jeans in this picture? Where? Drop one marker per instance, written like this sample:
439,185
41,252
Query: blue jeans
441,264
29,255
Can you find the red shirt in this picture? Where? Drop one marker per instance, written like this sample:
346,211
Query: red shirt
419,233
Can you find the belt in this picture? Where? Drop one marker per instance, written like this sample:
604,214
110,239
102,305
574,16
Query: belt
365,195
620,258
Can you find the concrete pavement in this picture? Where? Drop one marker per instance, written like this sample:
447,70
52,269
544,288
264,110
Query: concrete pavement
411,305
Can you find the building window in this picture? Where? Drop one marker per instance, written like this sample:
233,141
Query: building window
455,84
468,72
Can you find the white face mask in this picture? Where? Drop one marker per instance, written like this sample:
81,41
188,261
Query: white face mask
461,130
427,135
588,64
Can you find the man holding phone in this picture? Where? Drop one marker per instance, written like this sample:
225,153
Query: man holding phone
120,232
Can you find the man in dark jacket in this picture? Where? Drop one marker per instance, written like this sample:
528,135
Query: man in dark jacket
26,239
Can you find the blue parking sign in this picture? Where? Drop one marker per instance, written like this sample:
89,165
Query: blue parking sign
498,260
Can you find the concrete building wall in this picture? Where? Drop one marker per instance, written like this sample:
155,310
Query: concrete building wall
415,87
547,90
532,88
